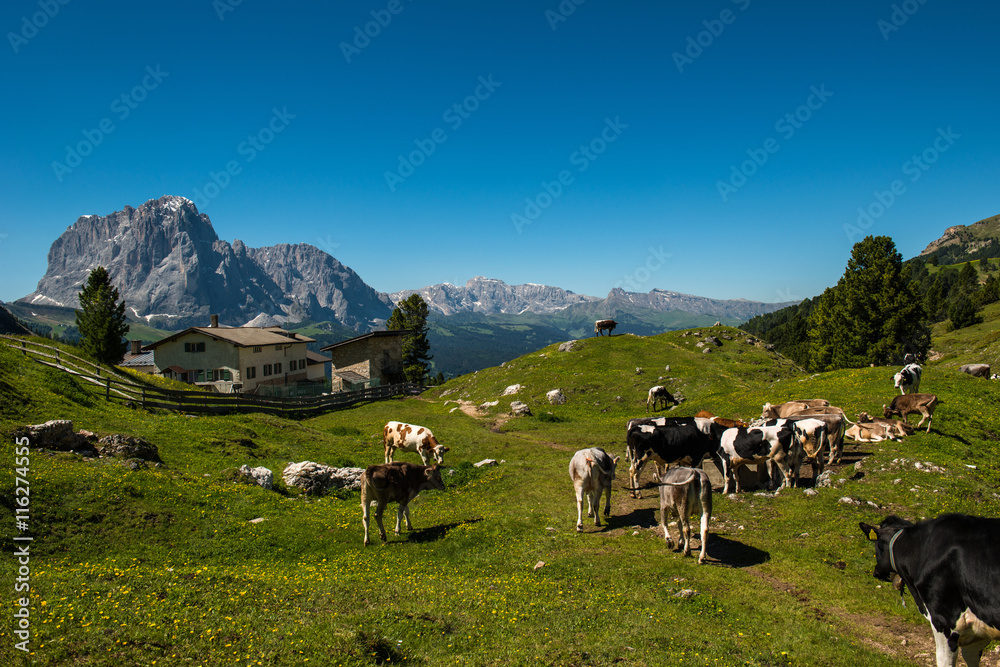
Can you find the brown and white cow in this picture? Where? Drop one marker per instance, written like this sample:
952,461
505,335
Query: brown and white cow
913,404
395,482
592,471
791,407
683,492
836,424
894,429
412,438
604,325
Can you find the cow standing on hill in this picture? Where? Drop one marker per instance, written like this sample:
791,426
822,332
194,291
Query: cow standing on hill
907,380
395,482
659,395
604,325
683,492
592,471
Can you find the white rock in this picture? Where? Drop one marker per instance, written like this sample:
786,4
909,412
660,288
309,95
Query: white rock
512,389
261,476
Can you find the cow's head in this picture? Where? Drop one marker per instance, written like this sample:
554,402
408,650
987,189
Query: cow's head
439,453
889,411
770,412
883,536
432,478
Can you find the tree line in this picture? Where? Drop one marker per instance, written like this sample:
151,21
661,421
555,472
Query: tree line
880,310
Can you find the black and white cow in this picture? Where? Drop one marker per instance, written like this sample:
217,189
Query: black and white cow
659,396
760,445
908,379
667,440
950,566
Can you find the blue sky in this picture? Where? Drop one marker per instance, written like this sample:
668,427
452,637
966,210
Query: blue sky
720,148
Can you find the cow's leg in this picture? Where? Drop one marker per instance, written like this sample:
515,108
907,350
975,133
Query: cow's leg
923,418
607,500
365,510
706,516
389,451
579,508
665,512
973,653
945,656
633,477
406,516
594,503
684,525
379,509
400,512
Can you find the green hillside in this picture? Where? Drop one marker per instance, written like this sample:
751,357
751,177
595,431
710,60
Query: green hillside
161,566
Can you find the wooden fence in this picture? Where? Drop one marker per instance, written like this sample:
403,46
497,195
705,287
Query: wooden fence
119,386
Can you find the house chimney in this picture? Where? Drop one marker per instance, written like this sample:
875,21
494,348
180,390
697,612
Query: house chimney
215,321
136,347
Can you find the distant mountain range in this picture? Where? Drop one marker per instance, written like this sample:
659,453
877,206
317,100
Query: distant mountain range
173,271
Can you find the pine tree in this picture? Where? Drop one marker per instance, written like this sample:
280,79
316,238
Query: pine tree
101,319
874,315
411,314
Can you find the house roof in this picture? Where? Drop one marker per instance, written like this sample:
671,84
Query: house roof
351,376
142,359
316,358
367,336
240,336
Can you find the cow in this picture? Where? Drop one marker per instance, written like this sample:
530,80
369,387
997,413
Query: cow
592,471
758,445
659,395
835,421
669,440
604,325
721,421
913,404
683,492
871,432
790,407
949,563
976,370
895,428
412,438
810,438
908,379
395,482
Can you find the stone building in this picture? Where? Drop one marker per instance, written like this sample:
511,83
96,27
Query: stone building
371,360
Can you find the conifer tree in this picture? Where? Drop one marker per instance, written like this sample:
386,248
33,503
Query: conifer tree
101,319
411,314
874,315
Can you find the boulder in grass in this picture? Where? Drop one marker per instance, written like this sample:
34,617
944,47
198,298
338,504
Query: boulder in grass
556,397
317,479
520,409
127,447
261,476
58,435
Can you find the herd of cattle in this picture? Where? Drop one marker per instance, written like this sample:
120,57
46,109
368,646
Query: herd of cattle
948,563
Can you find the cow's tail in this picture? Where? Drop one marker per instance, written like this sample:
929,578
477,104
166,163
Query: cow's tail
694,474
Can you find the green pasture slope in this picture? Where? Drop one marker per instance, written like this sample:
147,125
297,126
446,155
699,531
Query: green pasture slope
162,566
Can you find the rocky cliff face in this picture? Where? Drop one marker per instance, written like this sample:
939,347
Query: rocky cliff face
665,301
171,268
490,296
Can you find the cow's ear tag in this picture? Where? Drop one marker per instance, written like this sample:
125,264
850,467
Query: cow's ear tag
872,535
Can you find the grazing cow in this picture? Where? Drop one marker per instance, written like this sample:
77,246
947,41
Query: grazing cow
659,395
683,492
913,404
604,325
811,438
412,438
395,482
950,566
908,379
592,471
976,370
758,446
791,407
669,440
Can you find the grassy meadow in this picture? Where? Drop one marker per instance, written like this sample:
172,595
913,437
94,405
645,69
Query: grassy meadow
163,567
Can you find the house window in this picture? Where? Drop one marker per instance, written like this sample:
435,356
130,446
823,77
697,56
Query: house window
279,348
277,369
258,348
251,372
292,365
200,377
267,369
194,347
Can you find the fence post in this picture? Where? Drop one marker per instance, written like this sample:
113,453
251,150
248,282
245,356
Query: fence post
144,397
107,390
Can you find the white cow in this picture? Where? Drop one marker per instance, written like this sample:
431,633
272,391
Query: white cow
592,471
